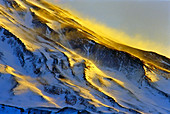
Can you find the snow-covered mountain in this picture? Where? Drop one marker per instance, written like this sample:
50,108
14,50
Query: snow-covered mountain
51,63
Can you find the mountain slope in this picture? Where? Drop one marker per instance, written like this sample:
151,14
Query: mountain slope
49,59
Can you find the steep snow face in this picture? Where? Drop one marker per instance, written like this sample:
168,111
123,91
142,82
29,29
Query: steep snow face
50,61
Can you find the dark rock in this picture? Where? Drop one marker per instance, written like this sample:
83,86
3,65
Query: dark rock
38,111
8,34
70,99
54,90
92,108
55,70
37,71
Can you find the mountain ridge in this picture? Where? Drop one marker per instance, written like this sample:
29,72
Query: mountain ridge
64,66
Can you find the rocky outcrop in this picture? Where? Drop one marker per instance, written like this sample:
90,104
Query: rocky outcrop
4,109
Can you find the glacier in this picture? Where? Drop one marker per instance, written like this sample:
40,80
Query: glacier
51,63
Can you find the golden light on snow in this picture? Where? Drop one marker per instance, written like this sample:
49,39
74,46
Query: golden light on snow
60,72
138,40
24,84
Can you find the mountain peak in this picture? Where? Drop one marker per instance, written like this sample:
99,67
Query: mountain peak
48,59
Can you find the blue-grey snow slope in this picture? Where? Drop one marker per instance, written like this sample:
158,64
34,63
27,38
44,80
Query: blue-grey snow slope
49,60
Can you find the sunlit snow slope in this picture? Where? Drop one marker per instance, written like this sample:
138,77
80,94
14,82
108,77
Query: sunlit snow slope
50,60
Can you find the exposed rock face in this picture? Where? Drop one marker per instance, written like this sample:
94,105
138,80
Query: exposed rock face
71,99
11,109
48,59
